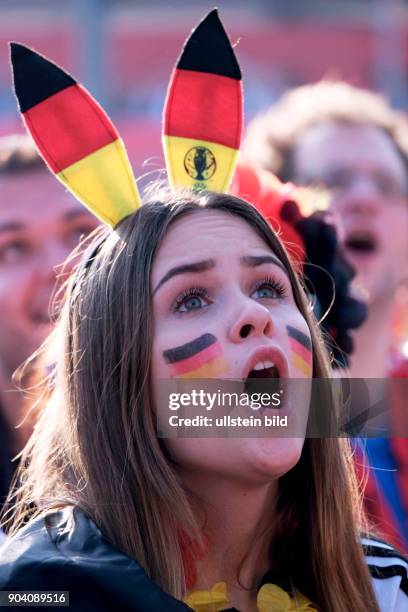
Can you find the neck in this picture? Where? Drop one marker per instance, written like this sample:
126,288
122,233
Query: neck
372,342
237,519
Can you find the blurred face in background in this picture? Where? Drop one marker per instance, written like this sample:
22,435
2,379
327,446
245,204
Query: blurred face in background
368,179
40,224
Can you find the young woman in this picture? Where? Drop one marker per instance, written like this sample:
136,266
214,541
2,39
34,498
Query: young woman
188,285
124,520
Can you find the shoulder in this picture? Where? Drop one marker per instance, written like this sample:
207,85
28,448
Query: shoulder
65,551
389,574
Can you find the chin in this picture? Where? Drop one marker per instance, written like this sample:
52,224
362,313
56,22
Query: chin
274,457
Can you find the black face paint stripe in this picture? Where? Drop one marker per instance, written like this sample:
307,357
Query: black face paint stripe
190,349
295,333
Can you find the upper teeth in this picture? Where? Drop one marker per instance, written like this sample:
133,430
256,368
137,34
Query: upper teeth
263,365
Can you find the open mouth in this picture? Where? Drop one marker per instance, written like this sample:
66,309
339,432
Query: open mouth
361,242
264,369
265,362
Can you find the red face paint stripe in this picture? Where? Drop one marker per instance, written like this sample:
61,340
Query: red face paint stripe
204,106
294,332
65,137
189,349
196,361
300,350
212,369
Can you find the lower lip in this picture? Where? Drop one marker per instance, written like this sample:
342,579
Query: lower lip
362,255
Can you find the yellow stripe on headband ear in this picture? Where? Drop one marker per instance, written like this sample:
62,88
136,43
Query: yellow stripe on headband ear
92,176
197,163
75,136
203,111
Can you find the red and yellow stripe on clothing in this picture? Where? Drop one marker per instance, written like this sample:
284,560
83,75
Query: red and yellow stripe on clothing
74,135
202,121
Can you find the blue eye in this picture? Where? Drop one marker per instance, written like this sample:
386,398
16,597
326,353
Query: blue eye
269,289
192,299
191,303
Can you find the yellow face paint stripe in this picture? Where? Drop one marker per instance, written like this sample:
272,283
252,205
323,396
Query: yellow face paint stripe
199,164
209,370
302,365
104,182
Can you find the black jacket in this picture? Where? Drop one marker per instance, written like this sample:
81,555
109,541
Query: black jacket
67,552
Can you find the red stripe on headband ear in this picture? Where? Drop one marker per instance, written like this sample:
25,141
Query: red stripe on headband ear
64,137
75,136
202,122
204,106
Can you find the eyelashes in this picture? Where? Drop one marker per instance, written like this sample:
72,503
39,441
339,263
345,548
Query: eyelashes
198,293
277,287
192,298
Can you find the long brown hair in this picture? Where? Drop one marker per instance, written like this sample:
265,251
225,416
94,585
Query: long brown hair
95,444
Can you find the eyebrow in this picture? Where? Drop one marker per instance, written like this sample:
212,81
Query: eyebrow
17,226
11,226
199,266
251,261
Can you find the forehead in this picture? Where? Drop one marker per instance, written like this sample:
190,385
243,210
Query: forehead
33,198
328,145
205,234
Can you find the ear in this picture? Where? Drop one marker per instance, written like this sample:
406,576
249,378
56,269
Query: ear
75,137
202,121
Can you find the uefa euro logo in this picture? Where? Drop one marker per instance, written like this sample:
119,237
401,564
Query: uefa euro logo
199,163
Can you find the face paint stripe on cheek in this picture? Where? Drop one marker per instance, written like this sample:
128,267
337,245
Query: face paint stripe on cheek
302,365
197,361
296,334
300,350
189,349
208,370
199,358
301,346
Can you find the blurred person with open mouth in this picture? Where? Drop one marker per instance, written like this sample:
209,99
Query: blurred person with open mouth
353,143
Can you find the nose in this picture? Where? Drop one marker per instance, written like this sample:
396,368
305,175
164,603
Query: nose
251,320
362,197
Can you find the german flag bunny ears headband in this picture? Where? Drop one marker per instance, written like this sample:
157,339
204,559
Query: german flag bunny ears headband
202,121
81,146
74,136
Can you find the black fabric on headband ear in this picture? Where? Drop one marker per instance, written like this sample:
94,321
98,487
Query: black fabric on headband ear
35,78
208,50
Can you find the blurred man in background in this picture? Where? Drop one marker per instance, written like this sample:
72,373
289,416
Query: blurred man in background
40,224
353,143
